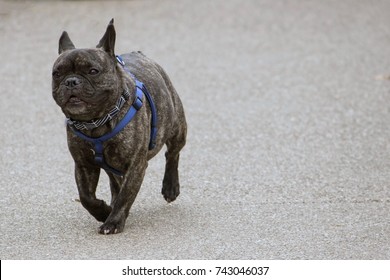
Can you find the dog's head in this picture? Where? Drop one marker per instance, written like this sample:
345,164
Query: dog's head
86,82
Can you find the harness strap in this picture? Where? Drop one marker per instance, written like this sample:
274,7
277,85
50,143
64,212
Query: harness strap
98,142
154,120
153,132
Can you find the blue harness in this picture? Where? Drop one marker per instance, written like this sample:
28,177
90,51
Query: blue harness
137,104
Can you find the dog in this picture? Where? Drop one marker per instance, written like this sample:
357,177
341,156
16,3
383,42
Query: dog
120,112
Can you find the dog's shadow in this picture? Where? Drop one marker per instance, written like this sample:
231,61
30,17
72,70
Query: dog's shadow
157,216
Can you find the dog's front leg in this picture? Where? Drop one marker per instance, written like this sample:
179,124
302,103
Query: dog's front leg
125,199
87,180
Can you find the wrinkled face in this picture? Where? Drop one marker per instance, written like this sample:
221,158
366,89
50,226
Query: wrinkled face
85,83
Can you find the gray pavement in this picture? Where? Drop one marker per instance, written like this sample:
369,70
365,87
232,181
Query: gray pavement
288,154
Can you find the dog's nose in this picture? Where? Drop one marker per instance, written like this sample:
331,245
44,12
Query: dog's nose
72,82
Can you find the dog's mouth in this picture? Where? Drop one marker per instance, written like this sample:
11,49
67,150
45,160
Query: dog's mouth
76,108
75,100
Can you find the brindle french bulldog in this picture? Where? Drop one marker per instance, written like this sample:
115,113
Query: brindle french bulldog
96,90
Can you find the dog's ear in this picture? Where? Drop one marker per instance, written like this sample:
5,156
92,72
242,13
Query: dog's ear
65,43
107,42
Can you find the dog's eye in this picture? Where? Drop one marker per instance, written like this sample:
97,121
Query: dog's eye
56,74
93,71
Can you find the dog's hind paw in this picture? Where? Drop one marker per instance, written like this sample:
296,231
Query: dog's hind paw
170,194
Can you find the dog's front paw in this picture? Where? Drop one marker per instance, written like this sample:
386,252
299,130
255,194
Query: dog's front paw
111,228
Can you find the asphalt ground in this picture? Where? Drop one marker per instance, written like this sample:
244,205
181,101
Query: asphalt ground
288,152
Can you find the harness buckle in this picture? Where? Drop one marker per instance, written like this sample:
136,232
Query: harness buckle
137,103
99,159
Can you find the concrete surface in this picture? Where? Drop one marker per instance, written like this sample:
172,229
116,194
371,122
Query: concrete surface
288,153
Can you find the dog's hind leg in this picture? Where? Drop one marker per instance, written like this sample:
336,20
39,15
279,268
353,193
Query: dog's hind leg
171,185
